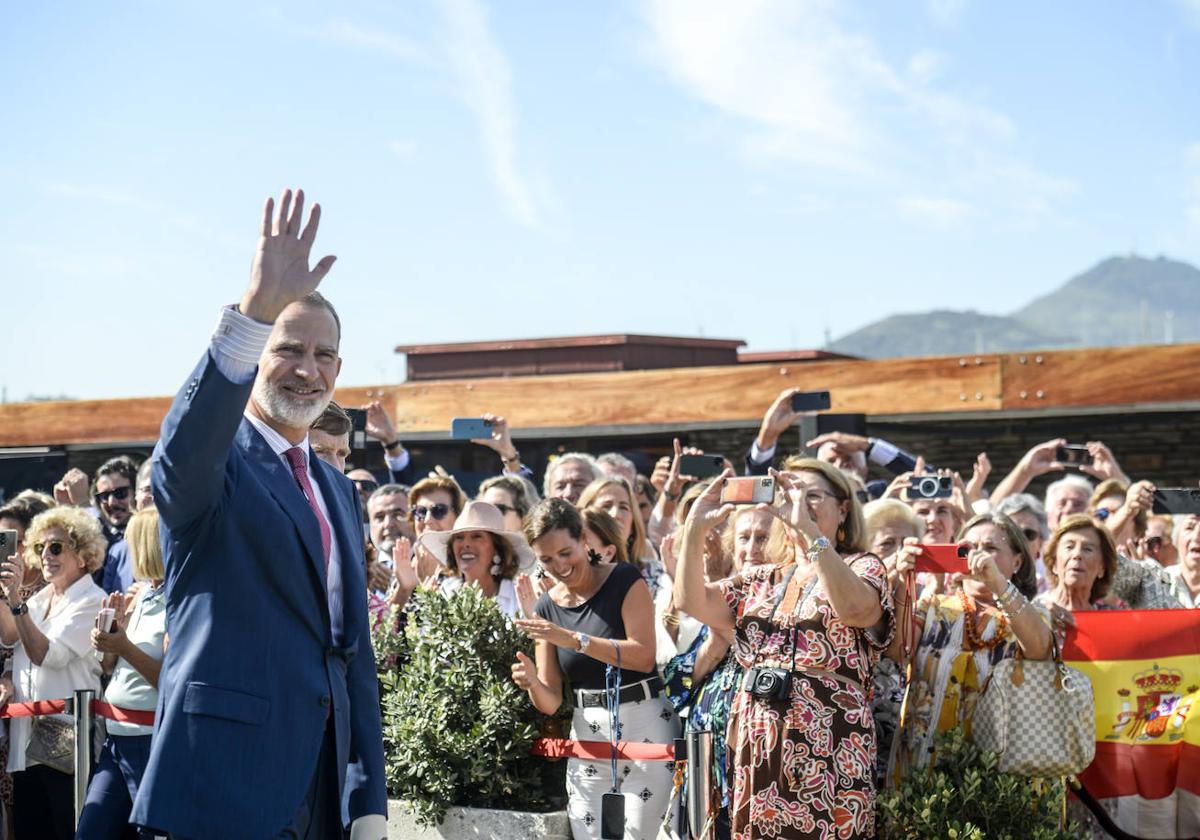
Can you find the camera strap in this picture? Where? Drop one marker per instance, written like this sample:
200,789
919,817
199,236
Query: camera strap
779,596
612,686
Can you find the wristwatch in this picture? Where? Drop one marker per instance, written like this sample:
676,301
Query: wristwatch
19,609
584,640
817,546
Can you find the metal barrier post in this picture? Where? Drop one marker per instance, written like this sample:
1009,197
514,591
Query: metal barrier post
83,746
699,782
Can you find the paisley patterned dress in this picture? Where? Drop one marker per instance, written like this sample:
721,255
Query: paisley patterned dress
805,768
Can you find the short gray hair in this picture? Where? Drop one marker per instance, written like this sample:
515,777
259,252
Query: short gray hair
387,490
1066,482
620,463
581,457
1026,502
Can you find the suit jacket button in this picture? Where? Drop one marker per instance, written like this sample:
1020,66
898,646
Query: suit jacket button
325,700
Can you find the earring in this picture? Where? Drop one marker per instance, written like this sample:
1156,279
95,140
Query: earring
841,534
495,570
594,557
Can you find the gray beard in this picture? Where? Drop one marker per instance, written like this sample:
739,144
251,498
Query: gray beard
275,405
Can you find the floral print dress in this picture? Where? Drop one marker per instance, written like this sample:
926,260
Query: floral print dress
805,769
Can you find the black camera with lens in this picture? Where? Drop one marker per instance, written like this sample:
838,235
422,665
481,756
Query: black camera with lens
930,487
769,683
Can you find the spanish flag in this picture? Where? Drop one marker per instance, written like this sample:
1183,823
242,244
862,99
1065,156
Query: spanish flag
1145,671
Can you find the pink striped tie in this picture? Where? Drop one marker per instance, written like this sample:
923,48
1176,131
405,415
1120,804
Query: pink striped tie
295,457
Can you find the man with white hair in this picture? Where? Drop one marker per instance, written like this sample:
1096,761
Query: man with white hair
616,465
568,474
1069,495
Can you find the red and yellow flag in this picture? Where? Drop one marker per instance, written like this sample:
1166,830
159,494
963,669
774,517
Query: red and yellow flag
1145,671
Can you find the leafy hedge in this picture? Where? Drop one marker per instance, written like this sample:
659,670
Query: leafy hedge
456,730
963,796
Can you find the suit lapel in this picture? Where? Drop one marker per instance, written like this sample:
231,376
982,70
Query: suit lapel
279,481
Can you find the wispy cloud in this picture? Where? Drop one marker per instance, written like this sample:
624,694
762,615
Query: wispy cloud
485,85
800,85
932,211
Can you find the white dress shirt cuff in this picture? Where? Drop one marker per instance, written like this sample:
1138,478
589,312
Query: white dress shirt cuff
369,827
761,456
881,452
398,463
237,344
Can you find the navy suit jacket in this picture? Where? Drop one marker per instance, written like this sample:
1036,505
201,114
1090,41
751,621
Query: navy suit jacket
252,674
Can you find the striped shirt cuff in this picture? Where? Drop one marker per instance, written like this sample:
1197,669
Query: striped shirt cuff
237,345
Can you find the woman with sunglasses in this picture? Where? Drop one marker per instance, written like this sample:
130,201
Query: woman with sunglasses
434,503
52,657
514,495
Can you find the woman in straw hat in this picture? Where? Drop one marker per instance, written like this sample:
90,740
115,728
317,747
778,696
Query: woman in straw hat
480,550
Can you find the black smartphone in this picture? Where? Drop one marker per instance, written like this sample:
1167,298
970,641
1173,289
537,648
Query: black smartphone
811,401
612,816
1177,500
701,466
1072,454
358,428
8,544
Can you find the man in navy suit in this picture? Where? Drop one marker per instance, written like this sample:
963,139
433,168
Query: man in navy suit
268,714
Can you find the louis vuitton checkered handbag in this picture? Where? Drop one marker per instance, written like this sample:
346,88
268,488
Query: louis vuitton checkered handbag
1039,716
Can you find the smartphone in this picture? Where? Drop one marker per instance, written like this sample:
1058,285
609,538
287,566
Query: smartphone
701,466
930,487
106,618
1073,454
470,428
751,490
811,401
612,816
1177,500
943,559
8,544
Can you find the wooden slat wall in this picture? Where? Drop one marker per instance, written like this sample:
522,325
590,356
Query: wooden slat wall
1089,378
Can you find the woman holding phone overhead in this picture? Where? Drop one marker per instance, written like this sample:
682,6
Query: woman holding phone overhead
597,615
808,632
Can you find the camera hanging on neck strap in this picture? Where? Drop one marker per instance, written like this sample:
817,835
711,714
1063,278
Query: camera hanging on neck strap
612,804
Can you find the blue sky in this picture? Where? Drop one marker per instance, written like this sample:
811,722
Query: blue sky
760,170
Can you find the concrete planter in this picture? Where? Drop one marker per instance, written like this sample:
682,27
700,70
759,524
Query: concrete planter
479,824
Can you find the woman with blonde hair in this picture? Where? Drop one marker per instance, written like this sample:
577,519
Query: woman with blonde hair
616,497
52,659
132,653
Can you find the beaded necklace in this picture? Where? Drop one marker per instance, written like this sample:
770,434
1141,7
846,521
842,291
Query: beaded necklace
971,640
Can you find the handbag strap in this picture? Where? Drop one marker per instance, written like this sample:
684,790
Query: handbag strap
1102,816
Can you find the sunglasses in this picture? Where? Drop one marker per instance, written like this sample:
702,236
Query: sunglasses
438,512
120,494
1030,534
1102,514
56,548
366,486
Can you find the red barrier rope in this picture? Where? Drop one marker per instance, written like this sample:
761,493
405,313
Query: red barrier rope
34,709
135,716
602,750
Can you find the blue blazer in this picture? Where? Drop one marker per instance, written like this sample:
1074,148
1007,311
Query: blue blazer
252,673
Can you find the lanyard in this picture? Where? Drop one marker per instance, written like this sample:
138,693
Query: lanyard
612,686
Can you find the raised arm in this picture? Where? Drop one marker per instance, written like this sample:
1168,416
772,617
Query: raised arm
189,461
695,596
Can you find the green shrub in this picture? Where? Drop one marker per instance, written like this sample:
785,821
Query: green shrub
964,797
456,730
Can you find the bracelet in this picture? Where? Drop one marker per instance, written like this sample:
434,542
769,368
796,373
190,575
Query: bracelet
19,609
1005,598
516,458
670,497
670,620
394,443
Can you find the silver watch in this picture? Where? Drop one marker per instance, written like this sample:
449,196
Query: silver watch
584,640
818,545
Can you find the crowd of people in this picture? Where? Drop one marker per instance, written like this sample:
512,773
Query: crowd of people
795,628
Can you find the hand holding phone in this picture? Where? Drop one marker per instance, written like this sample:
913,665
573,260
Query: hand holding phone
1072,455
470,428
701,466
750,490
811,401
1177,500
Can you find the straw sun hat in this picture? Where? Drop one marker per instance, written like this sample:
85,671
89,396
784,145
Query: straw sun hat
478,516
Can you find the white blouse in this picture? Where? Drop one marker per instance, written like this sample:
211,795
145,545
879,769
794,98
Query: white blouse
70,662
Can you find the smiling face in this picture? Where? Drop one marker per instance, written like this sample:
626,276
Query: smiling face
474,552
614,501
1079,560
62,569
564,557
427,506
114,498
297,370
387,516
